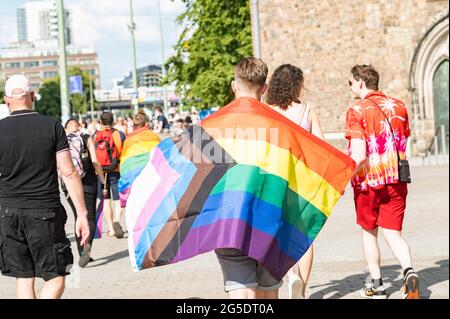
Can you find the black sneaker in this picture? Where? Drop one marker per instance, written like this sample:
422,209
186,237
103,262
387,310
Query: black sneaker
118,231
410,289
371,292
85,256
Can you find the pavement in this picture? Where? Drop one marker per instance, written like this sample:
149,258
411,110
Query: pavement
338,270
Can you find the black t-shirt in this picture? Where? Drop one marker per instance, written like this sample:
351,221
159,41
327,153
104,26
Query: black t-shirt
162,118
28,146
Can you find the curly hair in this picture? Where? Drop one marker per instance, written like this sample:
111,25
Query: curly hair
285,86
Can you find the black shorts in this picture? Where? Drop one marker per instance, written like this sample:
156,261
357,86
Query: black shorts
33,243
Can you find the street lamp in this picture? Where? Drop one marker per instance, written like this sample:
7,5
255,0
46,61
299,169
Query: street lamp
65,105
132,28
164,73
255,29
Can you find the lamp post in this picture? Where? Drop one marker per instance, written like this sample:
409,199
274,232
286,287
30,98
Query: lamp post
65,105
132,28
256,29
164,73
91,95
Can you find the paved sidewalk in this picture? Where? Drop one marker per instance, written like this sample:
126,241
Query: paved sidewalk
338,264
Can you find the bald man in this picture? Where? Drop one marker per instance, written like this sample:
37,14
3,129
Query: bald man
33,242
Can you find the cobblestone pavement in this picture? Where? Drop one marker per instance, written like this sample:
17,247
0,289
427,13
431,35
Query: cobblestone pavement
338,263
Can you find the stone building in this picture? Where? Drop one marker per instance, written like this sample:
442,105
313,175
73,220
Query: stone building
406,40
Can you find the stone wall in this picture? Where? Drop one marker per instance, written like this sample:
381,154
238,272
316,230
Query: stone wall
326,38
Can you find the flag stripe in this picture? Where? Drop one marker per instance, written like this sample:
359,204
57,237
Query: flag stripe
236,233
164,199
250,115
272,189
280,162
206,177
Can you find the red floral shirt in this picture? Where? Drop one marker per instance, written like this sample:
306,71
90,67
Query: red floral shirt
366,121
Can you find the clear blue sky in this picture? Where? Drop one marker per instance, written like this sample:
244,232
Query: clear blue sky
103,24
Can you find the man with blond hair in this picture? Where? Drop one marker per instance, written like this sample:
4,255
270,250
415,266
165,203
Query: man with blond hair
244,277
33,242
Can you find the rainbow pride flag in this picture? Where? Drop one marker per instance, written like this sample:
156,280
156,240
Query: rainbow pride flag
135,155
247,178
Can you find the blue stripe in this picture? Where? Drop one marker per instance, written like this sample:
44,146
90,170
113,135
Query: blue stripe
128,178
258,214
170,202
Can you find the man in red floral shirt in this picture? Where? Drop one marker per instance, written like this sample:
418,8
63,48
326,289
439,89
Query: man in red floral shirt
377,129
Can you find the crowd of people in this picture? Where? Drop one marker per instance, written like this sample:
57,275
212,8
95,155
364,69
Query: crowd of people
29,189
175,123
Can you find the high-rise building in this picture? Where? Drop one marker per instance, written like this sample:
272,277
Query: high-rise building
147,76
38,20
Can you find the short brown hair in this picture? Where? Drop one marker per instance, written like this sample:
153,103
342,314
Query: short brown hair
285,86
368,74
251,70
140,119
107,118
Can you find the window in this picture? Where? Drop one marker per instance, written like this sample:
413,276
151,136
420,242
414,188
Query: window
31,64
12,65
50,63
50,74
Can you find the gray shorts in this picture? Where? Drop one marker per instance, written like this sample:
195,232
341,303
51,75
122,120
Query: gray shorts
240,271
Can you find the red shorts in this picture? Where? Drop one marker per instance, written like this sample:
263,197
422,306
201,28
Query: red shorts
384,207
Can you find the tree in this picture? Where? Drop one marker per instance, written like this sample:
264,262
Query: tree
50,103
2,91
217,35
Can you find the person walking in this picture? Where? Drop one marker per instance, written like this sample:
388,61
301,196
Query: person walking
285,89
84,158
377,128
244,277
33,241
108,148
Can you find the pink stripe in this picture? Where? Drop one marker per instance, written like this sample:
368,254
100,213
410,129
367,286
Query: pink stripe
168,179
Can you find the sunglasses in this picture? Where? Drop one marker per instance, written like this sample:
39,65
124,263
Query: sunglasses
350,83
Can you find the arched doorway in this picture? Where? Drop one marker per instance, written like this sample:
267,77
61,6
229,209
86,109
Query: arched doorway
429,85
440,100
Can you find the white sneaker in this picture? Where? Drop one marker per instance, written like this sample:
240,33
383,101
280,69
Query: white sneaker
295,287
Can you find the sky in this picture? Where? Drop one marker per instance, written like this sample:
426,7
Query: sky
103,24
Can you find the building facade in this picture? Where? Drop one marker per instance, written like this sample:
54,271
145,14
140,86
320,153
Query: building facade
406,40
40,61
147,76
38,20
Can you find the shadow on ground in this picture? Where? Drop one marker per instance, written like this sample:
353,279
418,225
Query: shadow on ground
108,259
352,284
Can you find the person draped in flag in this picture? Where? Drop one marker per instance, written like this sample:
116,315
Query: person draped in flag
244,277
284,95
246,183
135,153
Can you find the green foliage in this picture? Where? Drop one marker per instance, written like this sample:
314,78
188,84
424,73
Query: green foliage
217,35
50,103
2,91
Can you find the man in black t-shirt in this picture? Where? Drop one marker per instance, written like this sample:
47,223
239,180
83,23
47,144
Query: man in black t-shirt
33,242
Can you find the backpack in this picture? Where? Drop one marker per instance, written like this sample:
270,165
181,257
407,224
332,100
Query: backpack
106,151
78,152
